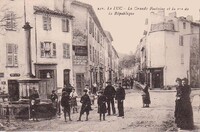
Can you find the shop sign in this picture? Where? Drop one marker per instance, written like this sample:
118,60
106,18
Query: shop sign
14,74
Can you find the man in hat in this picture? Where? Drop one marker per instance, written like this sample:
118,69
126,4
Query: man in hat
86,105
101,101
65,103
120,96
54,99
109,92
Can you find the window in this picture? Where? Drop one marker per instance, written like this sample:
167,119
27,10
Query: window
182,58
46,22
184,25
90,53
93,54
181,40
66,50
90,25
12,57
65,25
10,21
48,49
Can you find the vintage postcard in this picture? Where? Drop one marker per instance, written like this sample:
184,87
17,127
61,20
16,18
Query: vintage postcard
99,65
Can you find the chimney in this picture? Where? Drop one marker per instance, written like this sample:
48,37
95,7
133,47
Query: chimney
58,5
172,14
189,18
67,5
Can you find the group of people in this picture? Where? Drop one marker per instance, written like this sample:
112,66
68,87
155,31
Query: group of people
105,100
183,107
128,82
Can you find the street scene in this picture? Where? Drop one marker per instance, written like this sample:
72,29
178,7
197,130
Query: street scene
82,65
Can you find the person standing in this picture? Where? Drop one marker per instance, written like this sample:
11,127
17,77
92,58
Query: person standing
178,101
120,97
73,96
54,98
65,103
101,101
131,82
185,113
109,92
146,96
86,105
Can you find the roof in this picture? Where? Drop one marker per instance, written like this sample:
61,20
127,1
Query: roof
46,10
92,13
108,34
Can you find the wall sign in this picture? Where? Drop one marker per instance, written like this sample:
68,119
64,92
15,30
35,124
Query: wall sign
14,74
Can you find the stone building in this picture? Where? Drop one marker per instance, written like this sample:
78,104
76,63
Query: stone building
170,49
48,55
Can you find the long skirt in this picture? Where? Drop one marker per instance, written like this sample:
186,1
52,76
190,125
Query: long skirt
146,98
184,114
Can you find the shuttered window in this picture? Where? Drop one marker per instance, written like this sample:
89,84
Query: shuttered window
181,40
46,22
12,54
47,49
65,25
10,18
66,50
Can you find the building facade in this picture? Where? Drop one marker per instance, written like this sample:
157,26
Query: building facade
49,52
167,50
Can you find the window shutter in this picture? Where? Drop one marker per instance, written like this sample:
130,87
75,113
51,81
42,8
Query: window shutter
67,25
42,46
49,23
15,47
9,48
45,22
63,25
64,50
181,41
54,50
68,51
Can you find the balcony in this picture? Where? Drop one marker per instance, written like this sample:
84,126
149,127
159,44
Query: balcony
162,27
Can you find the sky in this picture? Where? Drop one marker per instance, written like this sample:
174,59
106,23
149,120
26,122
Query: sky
128,30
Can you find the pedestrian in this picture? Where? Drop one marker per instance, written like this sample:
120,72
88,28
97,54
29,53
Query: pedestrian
184,114
86,105
67,88
145,96
33,108
65,103
131,82
109,92
178,102
34,95
54,98
101,101
120,97
73,96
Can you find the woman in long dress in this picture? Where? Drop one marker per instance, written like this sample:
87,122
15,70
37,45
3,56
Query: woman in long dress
185,113
145,96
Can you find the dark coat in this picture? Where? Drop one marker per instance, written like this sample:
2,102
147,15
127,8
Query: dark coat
101,101
120,94
65,102
86,103
54,97
109,92
183,109
146,96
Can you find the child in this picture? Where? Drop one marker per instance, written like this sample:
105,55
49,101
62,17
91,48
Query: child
86,105
65,104
73,96
34,110
101,105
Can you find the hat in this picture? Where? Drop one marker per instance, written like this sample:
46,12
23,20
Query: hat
178,79
108,81
85,90
100,91
86,85
53,91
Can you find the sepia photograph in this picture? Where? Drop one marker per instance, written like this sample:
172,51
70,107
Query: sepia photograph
100,65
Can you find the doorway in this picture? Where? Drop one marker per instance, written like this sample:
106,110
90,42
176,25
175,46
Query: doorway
157,78
13,90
